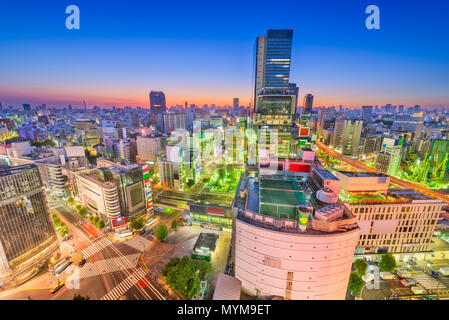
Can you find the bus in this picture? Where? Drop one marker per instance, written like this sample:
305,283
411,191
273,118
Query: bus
58,269
123,234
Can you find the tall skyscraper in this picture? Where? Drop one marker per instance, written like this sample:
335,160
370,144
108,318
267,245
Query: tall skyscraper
293,89
367,113
272,60
341,136
27,234
157,106
274,104
236,103
308,104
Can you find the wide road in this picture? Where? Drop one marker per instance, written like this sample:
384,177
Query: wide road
399,182
112,268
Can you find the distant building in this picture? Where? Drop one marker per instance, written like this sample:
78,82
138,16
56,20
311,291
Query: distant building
367,114
148,148
308,105
173,121
86,132
236,104
157,107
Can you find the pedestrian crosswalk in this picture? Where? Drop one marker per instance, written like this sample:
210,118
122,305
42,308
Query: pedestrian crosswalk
96,247
125,285
428,282
92,269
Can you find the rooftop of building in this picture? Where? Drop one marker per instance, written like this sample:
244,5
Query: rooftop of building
351,174
279,198
273,203
9,170
325,174
393,196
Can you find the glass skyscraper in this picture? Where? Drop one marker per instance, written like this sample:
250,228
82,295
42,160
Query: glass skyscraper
274,103
157,107
27,235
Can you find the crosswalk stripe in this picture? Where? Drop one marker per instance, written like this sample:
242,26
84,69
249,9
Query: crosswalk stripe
125,285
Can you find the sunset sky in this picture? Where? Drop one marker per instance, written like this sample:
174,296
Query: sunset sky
202,51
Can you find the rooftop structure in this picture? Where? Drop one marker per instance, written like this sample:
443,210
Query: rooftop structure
285,236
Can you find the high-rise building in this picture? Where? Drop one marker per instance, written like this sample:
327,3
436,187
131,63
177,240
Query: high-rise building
174,120
389,158
341,136
308,105
86,132
356,133
275,105
157,106
27,234
235,104
367,113
148,148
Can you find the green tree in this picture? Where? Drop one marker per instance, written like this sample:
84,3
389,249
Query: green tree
80,297
101,224
137,223
190,183
64,231
83,211
78,207
71,201
91,219
360,266
174,224
204,268
180,275
356,283
96,219
387,263
161,232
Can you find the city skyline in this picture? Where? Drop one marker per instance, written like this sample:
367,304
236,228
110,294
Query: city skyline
334,56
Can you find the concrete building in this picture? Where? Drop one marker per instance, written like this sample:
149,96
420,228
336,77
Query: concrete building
27,238
148,148
284,246
400,222
173,121
100,198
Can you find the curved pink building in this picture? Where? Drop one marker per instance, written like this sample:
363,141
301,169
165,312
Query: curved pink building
273,257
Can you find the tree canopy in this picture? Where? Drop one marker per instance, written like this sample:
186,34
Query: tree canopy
185,275
356,283
137,223
387,263
360,266
64,231
161,232
71,201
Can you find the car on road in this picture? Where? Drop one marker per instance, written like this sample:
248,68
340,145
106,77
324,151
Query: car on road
57,287
434,274
82,262
388,276
404,274
418,290
408,282
69,237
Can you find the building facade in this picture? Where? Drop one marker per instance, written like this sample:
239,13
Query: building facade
27,235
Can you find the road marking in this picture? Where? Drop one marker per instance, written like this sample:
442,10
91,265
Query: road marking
96,247
125,285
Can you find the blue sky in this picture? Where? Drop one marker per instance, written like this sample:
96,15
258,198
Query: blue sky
202,51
